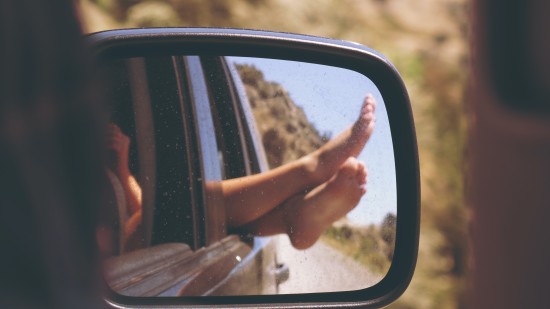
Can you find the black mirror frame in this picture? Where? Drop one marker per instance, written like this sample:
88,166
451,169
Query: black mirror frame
238,42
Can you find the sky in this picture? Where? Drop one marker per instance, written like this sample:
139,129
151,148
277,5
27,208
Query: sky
331,97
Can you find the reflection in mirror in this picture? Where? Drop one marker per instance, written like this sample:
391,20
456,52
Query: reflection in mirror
240,176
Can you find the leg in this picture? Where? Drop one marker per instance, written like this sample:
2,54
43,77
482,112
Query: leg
305,216
325,161
248,198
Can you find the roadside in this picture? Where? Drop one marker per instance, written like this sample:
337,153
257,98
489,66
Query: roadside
322,269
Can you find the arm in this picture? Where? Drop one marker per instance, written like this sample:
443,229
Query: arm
119,144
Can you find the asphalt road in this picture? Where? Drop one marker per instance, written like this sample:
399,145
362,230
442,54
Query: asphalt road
321,269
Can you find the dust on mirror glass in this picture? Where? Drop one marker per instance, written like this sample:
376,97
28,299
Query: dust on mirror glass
245,176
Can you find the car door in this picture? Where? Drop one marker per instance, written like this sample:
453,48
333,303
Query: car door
188,133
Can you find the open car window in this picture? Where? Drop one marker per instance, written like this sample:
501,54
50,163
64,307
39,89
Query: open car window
147,111
183,133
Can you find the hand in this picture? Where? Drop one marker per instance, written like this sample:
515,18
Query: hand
118,145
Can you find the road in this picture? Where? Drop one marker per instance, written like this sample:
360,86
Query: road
322,269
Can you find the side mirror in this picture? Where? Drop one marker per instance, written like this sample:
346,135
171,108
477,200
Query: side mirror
199,108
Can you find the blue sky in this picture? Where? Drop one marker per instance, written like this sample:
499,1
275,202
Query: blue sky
331,98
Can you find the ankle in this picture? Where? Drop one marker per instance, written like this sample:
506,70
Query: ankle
310,169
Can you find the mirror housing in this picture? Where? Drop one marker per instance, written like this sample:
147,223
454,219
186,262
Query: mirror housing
118,44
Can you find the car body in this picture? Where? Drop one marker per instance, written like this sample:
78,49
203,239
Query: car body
190,126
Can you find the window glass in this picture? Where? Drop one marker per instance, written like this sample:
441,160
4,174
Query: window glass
154,203
224,115
173,209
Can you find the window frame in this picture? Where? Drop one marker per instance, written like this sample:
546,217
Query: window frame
210,205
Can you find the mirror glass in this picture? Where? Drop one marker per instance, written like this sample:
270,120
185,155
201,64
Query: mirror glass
245,176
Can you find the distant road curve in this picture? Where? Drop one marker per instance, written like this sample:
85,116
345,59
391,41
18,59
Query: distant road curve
321,269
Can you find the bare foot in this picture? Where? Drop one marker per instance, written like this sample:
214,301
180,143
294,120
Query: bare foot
364,126
321,164
308,215
248,199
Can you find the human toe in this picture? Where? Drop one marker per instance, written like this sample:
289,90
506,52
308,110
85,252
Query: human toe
361,173
370,101
349,167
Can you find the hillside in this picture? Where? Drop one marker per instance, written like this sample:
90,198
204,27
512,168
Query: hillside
286,132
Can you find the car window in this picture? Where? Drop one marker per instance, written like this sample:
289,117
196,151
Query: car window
183,123
174,205
147,110
227,126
